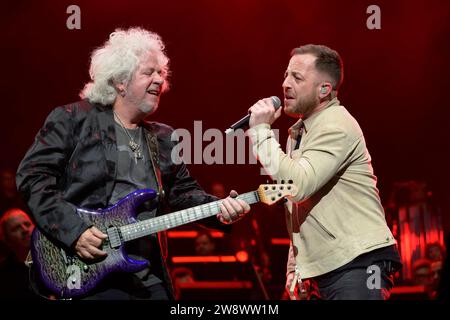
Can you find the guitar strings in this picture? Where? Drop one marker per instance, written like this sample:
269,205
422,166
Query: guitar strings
164,222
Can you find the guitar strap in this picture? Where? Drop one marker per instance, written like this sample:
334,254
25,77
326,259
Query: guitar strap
152,144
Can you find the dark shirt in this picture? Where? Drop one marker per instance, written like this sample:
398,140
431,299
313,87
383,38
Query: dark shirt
389,253
133,174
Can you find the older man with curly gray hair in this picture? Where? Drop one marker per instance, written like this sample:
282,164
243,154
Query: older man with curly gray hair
95,152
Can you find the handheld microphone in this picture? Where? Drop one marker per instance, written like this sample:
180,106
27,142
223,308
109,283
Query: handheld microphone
244,121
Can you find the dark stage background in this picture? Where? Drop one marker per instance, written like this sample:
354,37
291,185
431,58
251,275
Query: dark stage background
226,55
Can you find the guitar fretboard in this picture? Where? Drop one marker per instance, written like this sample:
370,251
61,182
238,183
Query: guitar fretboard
178,218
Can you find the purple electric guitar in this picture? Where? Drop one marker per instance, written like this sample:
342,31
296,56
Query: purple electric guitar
68,276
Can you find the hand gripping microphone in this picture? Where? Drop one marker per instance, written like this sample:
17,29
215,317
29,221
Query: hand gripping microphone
244,121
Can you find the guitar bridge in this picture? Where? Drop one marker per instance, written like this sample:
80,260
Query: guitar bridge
114,237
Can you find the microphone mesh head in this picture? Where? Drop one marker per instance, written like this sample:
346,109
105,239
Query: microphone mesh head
276,102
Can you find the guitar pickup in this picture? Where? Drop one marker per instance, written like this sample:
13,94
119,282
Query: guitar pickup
114,237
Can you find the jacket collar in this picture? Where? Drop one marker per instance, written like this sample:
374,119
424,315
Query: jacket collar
309,121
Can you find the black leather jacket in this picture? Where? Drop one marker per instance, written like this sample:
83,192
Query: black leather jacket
72,163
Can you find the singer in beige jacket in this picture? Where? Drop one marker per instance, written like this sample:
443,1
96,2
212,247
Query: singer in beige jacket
336,221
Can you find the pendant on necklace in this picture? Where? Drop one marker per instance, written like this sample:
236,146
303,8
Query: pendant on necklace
138,154
136,149
133,146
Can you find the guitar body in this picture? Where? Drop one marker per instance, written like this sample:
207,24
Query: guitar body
65,274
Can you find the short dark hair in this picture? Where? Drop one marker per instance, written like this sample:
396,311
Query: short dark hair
328,61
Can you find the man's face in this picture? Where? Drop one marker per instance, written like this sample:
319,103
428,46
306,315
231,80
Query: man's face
423,275
203,246
146,84
434,253
18,229
301,86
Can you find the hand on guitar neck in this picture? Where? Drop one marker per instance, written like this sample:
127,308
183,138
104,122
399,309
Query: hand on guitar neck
232,209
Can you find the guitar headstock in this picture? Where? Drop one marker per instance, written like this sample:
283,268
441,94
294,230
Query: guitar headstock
271,193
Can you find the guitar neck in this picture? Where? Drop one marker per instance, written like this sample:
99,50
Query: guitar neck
168,221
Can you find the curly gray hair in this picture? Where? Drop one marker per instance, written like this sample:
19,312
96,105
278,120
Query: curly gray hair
116,61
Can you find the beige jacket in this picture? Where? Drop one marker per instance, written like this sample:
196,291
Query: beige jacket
336,214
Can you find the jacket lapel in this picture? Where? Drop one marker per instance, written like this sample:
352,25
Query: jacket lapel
107,129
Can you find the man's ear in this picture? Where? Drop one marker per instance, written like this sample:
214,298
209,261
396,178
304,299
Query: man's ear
325,89
120,87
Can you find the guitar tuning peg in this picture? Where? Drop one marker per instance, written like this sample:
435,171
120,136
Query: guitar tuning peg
282,181
275,181
290,182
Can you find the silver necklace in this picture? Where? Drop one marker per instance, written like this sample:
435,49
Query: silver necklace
135,147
